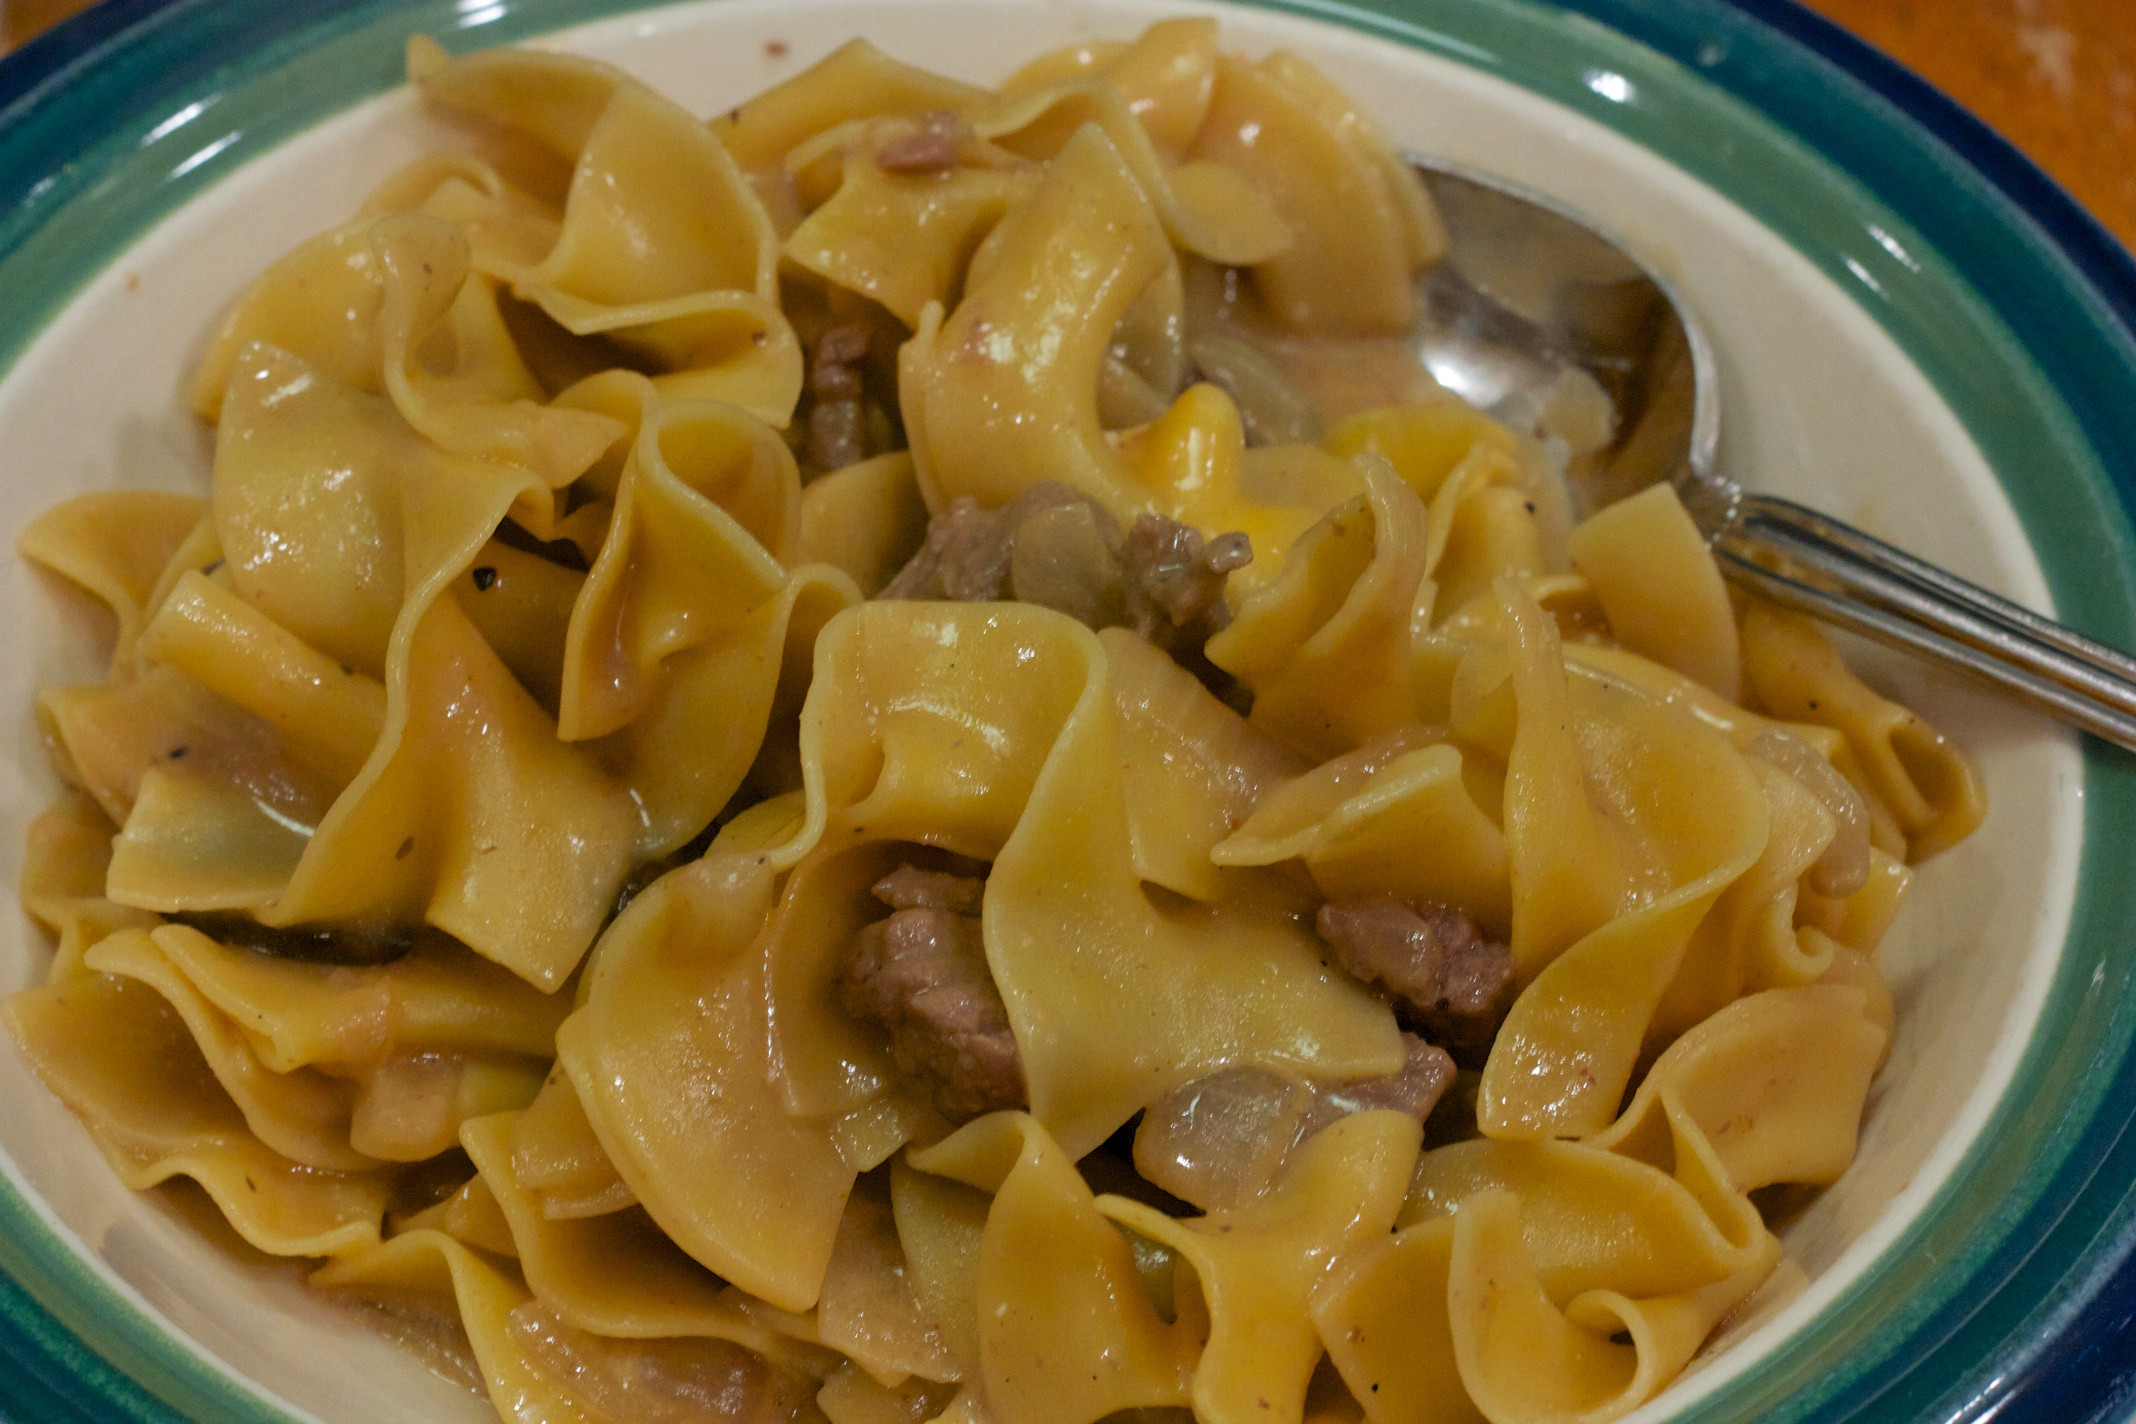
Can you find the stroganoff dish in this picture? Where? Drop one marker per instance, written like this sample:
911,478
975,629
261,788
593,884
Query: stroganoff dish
888,758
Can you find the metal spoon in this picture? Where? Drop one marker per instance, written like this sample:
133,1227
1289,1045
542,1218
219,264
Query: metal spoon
1530,290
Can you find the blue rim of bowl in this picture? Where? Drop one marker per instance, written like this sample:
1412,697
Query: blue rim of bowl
2044,1328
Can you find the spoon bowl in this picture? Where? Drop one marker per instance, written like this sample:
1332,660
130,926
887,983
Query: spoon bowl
1533,304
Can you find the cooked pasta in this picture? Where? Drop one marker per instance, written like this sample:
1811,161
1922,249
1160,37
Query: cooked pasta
811,765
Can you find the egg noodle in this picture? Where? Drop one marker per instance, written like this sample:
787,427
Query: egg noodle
643,552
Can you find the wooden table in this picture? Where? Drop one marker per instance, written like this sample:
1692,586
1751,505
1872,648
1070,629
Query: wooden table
2057,77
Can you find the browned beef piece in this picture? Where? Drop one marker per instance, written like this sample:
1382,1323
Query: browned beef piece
930,148
1174,579
910,888
1057,547
1444,977
837,428
967,554
922,974
1415,1088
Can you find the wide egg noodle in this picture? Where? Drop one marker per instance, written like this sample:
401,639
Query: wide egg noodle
469,1214
904,240
308,482
327,716
1192,464
1423,230
213,809
826,1064
679,634
850,1395
663,247
483,1292
855,81
921,728
670,1059
1003,392
301,1114
941,1225
1356,821
409,1107
484,402
1625,819
1484,522
1743,728
1207,207
1191,768
472,801
1750,939
870,1310
559,1161
1257,1264
613,1275
1326,648
65,857
1860,920
1770,1089
484,753
1483,528
1051,1270
509,580
115,546
1425,441
1573,1280
865,520
990,730
439,997
521,604
1166,75
1357,220
1657,582
341,1069
1382,1314
1911,768
1148,358
1504,1321
117,1054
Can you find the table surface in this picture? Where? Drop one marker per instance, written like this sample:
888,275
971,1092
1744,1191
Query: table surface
2057,77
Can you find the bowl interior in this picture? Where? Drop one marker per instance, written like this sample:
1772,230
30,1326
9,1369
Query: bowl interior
1818,402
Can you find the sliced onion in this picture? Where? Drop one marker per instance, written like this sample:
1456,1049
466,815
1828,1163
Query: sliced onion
1271,408
697,1381
1844,866
1217,1141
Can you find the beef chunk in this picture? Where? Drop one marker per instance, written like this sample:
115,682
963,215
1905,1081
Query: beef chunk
1444,977
910,888
1056,547
930,148
1415,1088
837,426
1174,578
968,550
922,975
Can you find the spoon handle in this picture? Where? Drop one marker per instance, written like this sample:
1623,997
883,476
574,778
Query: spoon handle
1814,564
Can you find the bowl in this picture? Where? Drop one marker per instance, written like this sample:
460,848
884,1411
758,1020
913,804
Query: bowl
1915,331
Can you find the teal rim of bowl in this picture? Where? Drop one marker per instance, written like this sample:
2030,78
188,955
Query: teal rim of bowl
122,126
